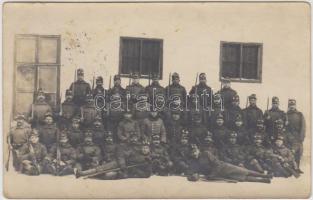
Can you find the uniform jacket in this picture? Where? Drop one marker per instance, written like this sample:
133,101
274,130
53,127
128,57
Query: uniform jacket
153,126
251,115
48,134
227,95
296,125
80,90
39,149
68,153
126,128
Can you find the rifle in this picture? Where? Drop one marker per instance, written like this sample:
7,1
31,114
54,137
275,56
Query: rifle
149,82
58,156
110,82
7,164
34,159
169,83
247,100
61,109
93,81
268,99
112,170
74,82
196,92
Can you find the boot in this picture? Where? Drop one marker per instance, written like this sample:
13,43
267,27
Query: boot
257,179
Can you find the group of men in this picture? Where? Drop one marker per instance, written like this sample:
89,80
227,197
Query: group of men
141,131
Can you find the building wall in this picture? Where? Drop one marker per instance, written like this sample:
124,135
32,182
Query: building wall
191,32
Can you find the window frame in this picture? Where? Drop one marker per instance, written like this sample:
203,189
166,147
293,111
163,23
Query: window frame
259,62
140,60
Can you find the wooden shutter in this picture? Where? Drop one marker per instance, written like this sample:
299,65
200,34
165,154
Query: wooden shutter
230,60
151,62
130,55
250,61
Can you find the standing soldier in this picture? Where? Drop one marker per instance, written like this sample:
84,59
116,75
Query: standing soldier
69,110
153,125
100,97
155,91
233,112
32,156
175,93
88,153
117,97
296,126
227,93
252,113
98,131
232,152
220,132
88,112
99,89
161,163
48,132
141,109
127,127
80,88
135,89
38,110
272,115
17,137
217,109
75,134
62,157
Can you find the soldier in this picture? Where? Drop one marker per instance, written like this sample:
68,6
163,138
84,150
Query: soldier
179,154
279,129
155,91
99,90
209,165
260,129
197,129
68,110
17,137
232,152
285,156
80,88
38,110
161,163
252,113
127,127
233,112
220,131
32,155
217,108
141,109
100,98
109,148
227,93
174,128
62,157
88,112
175,93
117,97
153,125
98,131
75,133
242,133
135,89
88,153
194,107
296,126
208,144
48,132
272,115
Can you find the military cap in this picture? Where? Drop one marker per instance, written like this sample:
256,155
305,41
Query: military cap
275,99
202,76
89,96
279,121
20,117
233,134
225,81
194,147
117,77
260,121
99,79
76,119
208,134
155,137
252,96
258,136
217,96
98,118
34,133
80,71
219,116
63,136
135,75
49,114
40,92
235,98
175,112
238,118
145,143
175,76
68,92
291,102
108,134
155,76
88,133
280,137
196,116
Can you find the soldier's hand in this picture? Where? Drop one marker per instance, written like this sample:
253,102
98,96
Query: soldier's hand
62,163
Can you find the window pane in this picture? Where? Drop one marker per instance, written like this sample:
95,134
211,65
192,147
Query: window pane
231,60
47,79
48,50
130,56
23,101
26,50
150,57
25,78
250,61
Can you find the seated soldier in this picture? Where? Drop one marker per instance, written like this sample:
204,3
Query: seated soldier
232,152
127,127
205,163
75,134
197,129
208,144
285,156
179,153
98,131
68,110
62,157
88,153
109,148
88,111
32,155
161,163
220,131
240,129
174,127
48,131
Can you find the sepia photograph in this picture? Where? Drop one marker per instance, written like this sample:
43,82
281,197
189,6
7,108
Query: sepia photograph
156,99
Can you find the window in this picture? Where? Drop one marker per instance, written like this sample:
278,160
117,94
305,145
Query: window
37,65
241,62
141,55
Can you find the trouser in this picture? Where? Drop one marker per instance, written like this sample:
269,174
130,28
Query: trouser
298,149
28,167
